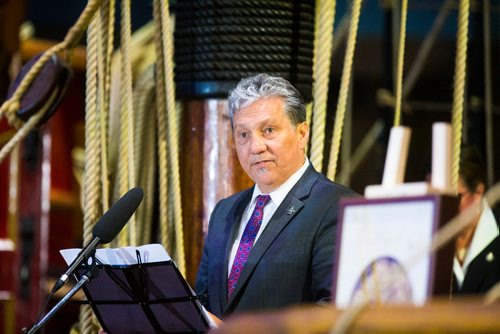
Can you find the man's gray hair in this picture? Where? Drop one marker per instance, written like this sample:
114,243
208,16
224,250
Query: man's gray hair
262,86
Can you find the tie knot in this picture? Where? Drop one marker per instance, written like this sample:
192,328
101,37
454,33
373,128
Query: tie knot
262,200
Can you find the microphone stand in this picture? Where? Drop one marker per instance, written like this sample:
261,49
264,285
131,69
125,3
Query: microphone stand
85,278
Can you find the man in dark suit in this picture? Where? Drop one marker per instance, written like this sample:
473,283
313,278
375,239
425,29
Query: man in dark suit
476,267
272,245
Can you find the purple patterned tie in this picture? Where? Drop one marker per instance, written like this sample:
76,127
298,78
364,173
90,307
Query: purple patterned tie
246,242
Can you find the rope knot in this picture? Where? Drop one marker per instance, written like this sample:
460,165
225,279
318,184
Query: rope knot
10,108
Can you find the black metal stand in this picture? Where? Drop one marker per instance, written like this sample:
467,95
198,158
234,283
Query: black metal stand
84,279
91,272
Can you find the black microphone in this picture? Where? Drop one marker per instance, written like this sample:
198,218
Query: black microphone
106,229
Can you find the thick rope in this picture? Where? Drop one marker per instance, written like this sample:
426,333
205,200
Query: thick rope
173,134
162,130
91,186
103,120
98,91
401,55
142,58
72,38
459,86
108,61
344,89
105,49
144,97
127,160
323,36
10,107
23,131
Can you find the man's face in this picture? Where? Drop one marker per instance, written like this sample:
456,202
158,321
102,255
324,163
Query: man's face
466,197
270,148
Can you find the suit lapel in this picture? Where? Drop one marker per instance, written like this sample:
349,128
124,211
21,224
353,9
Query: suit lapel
232,224
479,268
291,205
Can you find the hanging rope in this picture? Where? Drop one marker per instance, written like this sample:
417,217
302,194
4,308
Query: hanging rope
126,168
169,172
459,86
162,130
96,176
91,183
143,57
401,55
105,51
173,136
23,132
344,89
323,36
173,132
144,102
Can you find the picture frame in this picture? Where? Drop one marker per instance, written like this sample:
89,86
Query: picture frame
382,250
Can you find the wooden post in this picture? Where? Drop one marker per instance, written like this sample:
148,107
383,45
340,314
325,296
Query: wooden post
210,171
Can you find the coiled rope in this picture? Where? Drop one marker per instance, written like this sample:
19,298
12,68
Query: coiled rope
323,40
459,87
344,89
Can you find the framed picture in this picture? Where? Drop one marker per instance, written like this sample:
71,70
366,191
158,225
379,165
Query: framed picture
382,250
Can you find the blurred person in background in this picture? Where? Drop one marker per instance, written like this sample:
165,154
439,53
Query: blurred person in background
476,266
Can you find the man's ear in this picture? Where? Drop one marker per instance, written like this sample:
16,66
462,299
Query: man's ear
303,132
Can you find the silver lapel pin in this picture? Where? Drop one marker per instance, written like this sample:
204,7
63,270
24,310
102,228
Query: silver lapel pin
290,211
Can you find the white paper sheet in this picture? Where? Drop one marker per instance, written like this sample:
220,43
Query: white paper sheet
124,255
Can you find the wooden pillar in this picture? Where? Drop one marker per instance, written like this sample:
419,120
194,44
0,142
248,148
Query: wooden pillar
210,171
32,223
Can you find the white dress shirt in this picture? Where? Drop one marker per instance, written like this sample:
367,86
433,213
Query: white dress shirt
277,196
486,231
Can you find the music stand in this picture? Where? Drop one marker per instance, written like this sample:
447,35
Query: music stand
144,298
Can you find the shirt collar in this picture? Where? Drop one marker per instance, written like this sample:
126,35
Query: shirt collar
279,194
486,231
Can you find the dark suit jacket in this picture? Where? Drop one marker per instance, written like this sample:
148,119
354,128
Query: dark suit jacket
483,271
290,263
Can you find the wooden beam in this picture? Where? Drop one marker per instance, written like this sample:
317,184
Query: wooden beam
445,316
33,46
